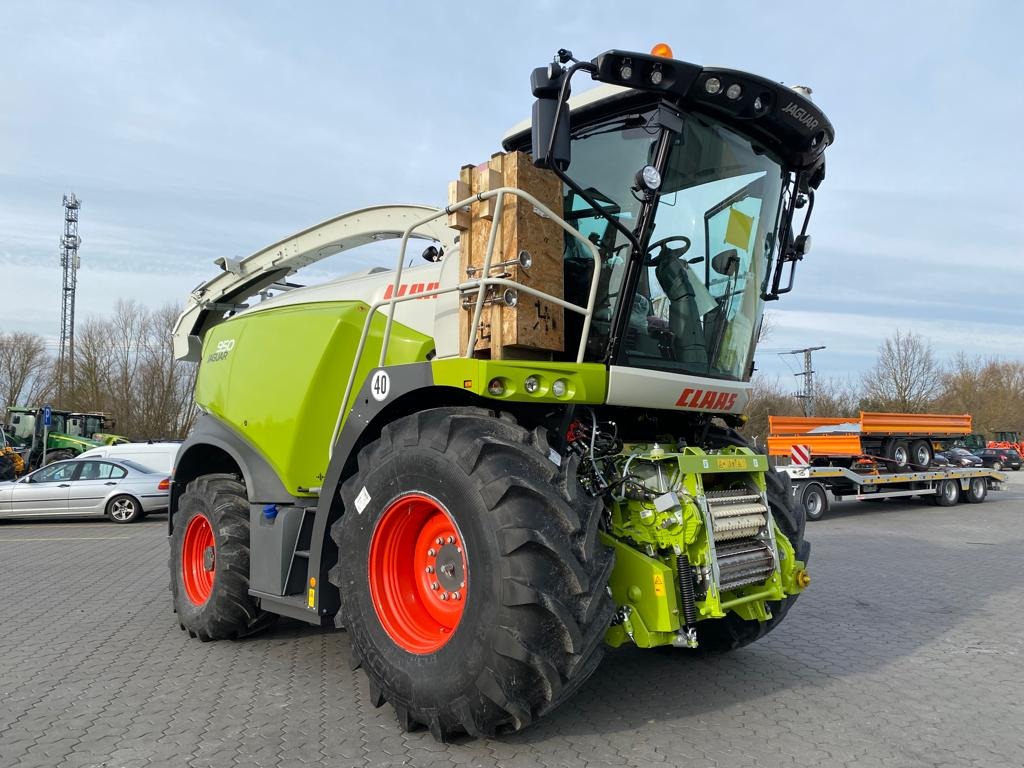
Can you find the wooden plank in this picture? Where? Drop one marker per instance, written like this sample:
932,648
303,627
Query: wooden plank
533,325
459,220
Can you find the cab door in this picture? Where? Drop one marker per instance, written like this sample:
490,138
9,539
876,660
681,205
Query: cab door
45,491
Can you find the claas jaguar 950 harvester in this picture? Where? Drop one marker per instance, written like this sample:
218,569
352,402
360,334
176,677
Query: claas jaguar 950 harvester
494,465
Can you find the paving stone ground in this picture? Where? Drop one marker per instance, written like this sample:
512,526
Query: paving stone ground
907,650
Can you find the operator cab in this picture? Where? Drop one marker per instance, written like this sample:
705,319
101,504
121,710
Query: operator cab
687,181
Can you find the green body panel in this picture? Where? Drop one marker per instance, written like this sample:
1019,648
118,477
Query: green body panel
585,382
650,529
57,442
278,376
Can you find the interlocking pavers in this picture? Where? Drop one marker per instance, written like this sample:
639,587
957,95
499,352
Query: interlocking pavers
906,651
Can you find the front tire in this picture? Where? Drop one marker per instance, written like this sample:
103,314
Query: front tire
518,544
210,561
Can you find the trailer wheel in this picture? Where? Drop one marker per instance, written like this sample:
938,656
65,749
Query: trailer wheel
921,454
473,583
898,454
977,490
948,493
815,501
210,561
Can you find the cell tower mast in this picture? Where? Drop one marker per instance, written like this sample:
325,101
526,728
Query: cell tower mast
69,262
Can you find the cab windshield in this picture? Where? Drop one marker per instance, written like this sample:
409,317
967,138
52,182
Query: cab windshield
698,304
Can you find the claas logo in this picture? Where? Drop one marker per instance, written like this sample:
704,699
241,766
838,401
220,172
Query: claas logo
411,289
706,399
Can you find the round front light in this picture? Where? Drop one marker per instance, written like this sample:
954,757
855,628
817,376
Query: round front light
496,387
531,385
656,77
734,91
625,71
712,85
649,177
559,387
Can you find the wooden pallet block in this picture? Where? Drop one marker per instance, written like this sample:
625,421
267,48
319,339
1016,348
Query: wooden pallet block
533,328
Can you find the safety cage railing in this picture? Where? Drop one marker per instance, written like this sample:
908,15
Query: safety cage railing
481,285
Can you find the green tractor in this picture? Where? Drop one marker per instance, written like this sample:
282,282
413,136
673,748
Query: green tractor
25,428
491,467
94,426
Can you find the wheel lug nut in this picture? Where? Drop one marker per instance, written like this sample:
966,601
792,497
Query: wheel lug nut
451,539
432,552
430,569
456,595
435,586
462,585
439,541
458,549
444,595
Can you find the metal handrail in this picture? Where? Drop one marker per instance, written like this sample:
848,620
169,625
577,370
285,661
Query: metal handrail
480,285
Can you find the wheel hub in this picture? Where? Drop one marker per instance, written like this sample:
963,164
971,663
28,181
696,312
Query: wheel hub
417,573
198,560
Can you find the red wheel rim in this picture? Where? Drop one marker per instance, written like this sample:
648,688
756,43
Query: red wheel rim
198,562
418,574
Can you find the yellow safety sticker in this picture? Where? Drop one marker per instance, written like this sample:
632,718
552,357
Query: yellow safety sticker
732,463
737,231
311,600
659,585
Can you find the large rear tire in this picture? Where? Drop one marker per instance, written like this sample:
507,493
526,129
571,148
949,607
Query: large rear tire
731,632
210,561
502,620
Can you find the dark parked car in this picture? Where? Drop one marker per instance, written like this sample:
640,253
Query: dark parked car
999,458
940,460
961,457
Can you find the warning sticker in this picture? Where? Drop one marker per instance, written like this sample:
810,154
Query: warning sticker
362,500
659,585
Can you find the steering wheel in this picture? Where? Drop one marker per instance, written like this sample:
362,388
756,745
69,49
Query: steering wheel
666,253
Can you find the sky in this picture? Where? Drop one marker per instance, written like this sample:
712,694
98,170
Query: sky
192,131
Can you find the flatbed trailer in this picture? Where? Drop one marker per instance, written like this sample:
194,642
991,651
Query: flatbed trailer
945,487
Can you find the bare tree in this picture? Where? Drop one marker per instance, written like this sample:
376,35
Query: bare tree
990,389
25,368
906,378
125,366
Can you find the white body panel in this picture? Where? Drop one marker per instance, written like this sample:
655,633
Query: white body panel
644,388
158,456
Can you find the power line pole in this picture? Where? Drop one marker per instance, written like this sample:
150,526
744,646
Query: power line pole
808,374
69,263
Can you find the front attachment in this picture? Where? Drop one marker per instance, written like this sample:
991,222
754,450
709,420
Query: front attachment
695,541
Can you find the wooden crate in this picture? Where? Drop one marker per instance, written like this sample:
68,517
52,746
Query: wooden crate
533,328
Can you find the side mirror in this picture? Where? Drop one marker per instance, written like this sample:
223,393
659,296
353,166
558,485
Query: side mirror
726,263
546,83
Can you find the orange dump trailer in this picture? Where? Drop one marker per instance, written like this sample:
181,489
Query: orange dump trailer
896,440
